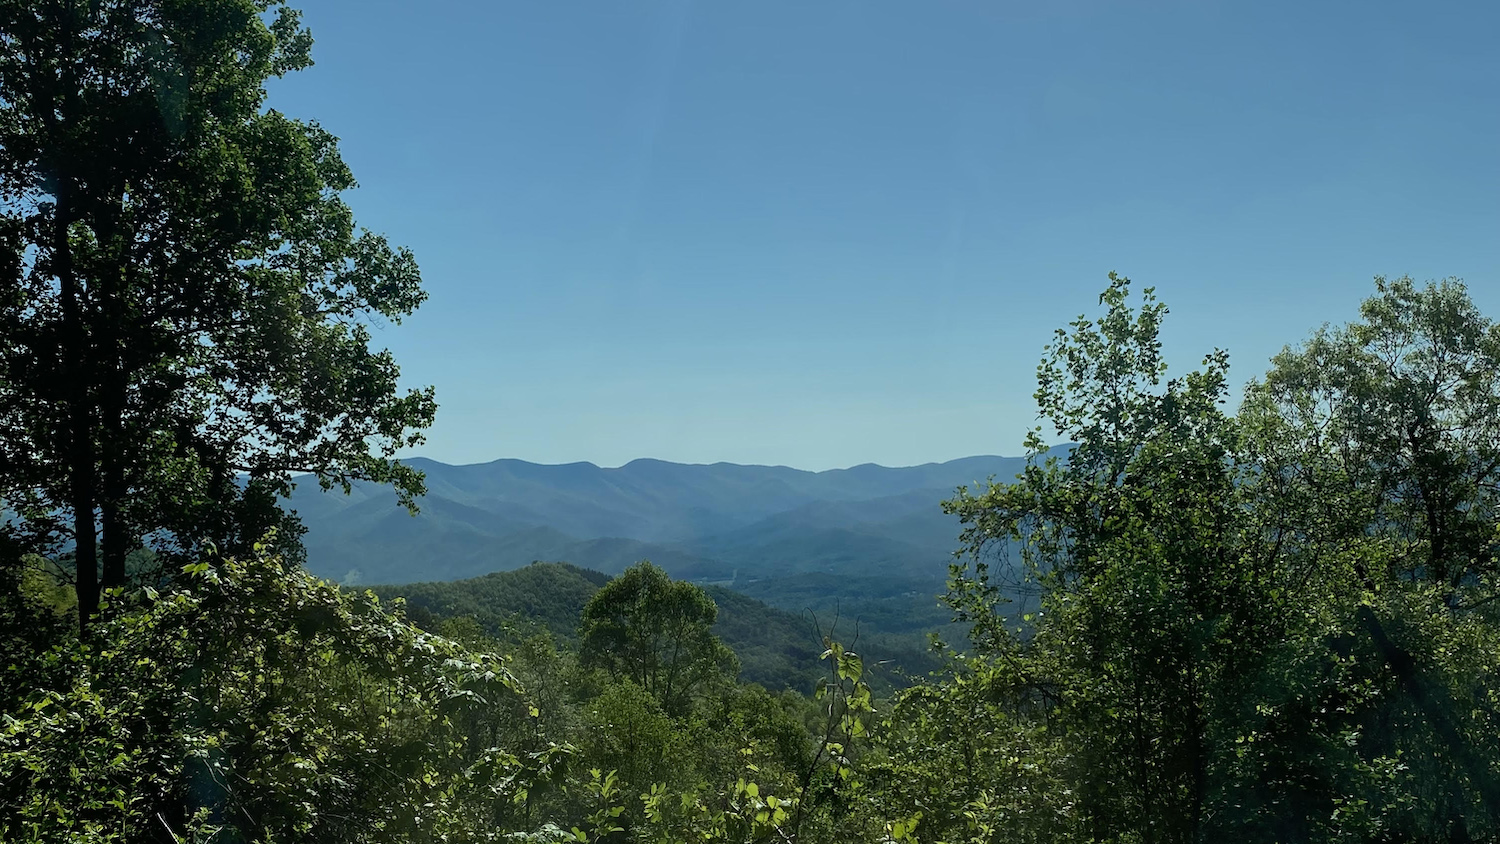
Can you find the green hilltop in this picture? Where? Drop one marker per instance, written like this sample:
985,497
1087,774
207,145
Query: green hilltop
777,649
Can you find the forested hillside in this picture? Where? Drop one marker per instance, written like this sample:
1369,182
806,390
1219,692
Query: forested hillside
1266,615
776,649
870,545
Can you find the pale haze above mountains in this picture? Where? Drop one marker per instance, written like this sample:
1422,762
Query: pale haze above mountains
723,522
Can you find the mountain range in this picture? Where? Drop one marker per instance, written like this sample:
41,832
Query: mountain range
748,527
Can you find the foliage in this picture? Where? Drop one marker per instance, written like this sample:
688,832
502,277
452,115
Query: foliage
656,633
1396,420
968,758
255,703
1271,626
1376,481
735,763
540,597
1137,627
780,650
776,649
185,303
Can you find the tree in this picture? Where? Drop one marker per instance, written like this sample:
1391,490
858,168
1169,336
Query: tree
185,303
1275,626
657,633
1377,447
1401,410
1150,597
971,754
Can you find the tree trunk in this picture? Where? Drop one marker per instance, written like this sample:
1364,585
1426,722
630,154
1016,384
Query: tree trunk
116,540
111,368
85,486
115,544
86,550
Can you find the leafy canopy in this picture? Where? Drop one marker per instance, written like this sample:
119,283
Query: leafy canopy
657,633
186,304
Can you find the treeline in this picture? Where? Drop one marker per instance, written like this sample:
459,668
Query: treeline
1272,624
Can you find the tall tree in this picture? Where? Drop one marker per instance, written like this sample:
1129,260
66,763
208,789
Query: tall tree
185,301
657,633
1377,447
1149,596
1276,626
1401,409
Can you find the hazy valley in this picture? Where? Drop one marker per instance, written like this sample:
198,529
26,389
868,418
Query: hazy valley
723,523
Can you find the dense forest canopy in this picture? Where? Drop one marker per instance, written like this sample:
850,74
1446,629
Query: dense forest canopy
1270,621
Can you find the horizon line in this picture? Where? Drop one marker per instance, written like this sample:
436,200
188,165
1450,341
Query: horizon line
633,461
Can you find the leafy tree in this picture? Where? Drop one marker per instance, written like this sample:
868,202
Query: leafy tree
627,732
1151,597
755,777
1377,467
746,725
185,302
1397,415
657,633
973,757
34,610
1276,626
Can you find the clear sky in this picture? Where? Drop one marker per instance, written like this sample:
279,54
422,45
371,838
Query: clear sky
827,233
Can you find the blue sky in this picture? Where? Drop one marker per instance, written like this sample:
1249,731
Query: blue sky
821,234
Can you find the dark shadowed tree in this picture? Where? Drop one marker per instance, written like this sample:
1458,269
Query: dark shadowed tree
1148,594
186,303
1273,626
1378,452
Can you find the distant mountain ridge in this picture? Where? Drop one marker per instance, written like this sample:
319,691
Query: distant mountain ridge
714,522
